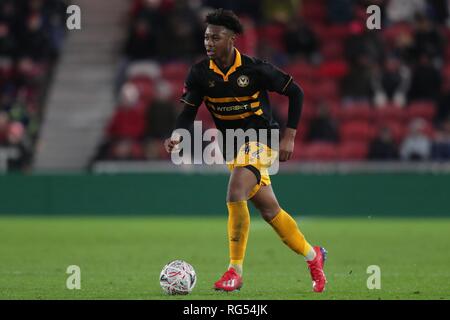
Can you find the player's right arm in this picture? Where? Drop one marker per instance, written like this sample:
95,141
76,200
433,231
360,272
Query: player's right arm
192,99
184,121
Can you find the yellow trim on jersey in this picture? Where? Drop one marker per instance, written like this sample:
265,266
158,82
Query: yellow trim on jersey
237,116
237,63
255,104
188,103
232,99
289,81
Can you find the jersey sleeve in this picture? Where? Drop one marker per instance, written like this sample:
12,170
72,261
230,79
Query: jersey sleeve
192,91
273,78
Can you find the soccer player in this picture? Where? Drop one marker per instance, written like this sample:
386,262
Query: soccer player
234,88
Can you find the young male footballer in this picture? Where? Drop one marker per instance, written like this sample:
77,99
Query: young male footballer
234,88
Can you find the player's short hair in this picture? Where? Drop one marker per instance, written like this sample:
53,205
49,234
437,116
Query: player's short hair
225,18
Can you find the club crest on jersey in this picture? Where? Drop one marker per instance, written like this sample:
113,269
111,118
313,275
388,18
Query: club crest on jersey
243,81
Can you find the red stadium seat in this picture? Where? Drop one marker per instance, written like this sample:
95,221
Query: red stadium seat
313,12
356,112
277,99
423,109
351,151
174,71
446,71
391,33
273,34
334,32
447,52
248,41
177,89
6,71
317,151
390,113
205,116
308,112
137,151
333,69
332,50
282,110
357,131
326,89
145,87
302,132
301,71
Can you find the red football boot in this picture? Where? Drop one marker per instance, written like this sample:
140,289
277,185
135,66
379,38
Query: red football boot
316,269
230,281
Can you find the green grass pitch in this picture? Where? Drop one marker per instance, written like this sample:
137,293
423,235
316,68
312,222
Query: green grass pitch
121,258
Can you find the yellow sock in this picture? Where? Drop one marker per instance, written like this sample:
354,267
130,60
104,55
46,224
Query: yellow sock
238,229
287,229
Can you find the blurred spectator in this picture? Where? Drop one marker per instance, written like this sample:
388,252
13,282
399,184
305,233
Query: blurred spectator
31,33
153,11
125,150
403,46
404,10
142,41
269,52
184,40
4,121
363,43
427,38
162,113
391,83
340,12
426,80
356,85
300,41
9,14
7,96
383,146
56,22
154,149
443,111
323,127
8,44
416,145
439,10
20,161
248,8
34,41
128,120
441,144
280,11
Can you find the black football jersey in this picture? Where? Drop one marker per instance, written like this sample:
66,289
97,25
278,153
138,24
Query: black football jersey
237,98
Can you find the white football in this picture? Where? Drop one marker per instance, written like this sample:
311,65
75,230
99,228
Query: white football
177,277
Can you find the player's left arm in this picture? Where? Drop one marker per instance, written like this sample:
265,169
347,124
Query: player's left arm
295,94
282,83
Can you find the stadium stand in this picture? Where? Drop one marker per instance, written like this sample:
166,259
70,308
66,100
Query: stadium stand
31,36
375,84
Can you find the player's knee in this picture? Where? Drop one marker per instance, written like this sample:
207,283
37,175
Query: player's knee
236,192
269,212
